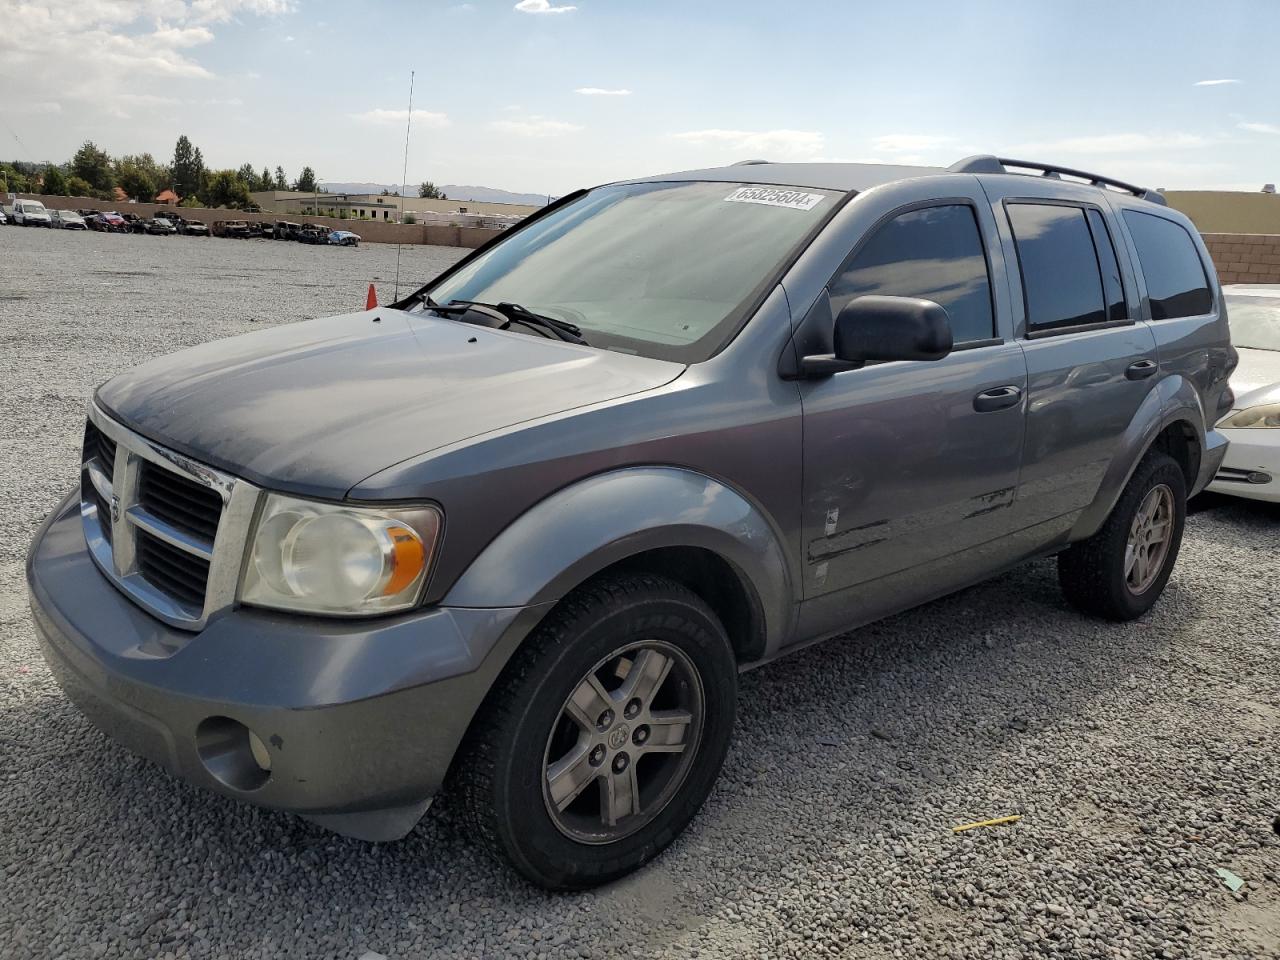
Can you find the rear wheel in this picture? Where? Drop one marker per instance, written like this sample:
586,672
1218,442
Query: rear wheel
1121,570
604,736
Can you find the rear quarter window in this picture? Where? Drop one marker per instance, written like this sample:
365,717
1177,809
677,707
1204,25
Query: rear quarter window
1176,282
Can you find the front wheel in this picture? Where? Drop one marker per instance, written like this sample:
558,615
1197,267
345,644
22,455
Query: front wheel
1120,572
607,731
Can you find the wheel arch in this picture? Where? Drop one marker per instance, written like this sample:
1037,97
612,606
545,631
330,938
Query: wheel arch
1171,420
664,520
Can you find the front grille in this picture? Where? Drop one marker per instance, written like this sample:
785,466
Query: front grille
98,446
182,575
180,526
179,501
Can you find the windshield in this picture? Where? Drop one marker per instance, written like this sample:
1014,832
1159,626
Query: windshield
33,206
1255,322
665,270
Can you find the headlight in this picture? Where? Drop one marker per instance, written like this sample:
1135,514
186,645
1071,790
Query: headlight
338,559
1266,415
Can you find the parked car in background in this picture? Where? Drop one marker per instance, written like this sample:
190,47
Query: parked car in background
134,223
155,227
1252,466
168,221
67,220
313,233
268,230
4,218
238,229
114,222
31,213
193,228
823,394
287,230
344,238
255,229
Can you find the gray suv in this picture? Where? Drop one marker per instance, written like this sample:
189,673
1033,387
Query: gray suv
517,533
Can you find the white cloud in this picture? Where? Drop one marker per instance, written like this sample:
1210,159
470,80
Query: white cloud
135,46
32,108
909,142
602,92
288,39
762,144
399,117
1118,143
542,6
1212,83
1258,127
535,126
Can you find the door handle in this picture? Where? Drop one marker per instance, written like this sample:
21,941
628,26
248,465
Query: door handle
1140,369
997,398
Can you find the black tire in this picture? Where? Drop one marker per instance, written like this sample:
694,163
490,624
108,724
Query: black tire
504,762
1092,572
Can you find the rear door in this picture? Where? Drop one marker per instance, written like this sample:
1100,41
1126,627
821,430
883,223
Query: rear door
1091,359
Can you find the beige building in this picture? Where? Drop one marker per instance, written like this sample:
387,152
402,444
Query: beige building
1228,211
371,206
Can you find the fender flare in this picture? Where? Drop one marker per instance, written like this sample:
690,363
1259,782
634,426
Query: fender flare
582,529
1175,399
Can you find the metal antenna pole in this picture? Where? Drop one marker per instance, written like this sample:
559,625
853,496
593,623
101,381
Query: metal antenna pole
404,174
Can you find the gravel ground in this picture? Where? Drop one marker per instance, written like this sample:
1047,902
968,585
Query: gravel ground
1141,757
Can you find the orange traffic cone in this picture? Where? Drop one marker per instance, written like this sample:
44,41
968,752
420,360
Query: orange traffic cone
371,301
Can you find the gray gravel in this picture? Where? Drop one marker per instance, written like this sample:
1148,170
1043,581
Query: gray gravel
1141,757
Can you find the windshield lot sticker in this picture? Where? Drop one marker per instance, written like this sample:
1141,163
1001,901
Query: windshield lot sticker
773,197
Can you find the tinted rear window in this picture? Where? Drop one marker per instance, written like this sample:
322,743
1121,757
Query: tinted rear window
935,253
1176,281
1060,277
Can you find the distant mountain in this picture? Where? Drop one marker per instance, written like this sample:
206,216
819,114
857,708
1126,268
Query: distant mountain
451,190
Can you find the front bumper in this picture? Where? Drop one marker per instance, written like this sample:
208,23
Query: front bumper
1252,465
360,718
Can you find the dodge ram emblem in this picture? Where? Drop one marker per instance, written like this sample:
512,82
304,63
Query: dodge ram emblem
618,736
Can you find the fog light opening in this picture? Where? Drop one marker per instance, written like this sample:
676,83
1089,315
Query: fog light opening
233,754
1257,476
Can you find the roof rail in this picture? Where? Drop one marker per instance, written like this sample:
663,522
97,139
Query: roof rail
748,163
985,163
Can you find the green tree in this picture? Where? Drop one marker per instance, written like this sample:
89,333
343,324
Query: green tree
55,182
225,189
135,180
187,170
78,187
94,166
246,173
306,181
264,179
429,191
281,181
12,180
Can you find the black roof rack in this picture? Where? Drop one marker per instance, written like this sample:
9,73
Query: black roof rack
985,163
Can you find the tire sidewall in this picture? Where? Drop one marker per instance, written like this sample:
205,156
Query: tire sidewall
1161,470
528,833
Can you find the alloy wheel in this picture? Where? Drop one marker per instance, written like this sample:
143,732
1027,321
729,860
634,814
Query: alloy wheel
623,742
1150,535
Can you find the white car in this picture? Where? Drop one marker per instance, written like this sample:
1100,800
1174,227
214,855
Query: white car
30,213
1252,466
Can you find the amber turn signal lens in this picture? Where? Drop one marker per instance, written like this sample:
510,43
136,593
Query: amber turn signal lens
408,557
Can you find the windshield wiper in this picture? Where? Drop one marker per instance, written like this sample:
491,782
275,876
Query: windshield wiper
512,313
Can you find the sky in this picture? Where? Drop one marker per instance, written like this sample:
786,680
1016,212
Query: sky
549,95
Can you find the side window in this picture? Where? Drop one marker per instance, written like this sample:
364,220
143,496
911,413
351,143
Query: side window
935,253
1060,277
1176,282
1112,285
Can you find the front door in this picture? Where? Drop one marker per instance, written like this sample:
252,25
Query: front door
908,464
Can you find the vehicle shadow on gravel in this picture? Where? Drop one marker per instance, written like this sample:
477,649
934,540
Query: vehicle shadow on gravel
852,759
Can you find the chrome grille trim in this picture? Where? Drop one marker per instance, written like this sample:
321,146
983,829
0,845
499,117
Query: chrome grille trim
117,484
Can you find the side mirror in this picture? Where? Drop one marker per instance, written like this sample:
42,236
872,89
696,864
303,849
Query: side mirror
891,328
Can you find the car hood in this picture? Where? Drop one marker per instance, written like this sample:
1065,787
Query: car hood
1257,379
315,407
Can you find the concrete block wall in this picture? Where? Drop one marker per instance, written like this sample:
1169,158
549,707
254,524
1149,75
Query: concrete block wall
1245,257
